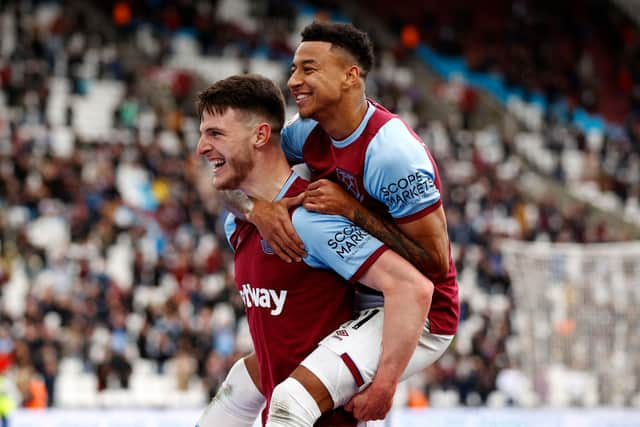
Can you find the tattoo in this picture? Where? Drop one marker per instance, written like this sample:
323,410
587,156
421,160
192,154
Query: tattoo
237,202
389,233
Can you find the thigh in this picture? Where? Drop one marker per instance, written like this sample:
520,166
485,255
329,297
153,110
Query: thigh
341,360
358,344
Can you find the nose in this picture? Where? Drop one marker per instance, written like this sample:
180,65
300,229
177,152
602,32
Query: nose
294,80
203,147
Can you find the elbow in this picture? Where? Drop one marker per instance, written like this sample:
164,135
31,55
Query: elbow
423,291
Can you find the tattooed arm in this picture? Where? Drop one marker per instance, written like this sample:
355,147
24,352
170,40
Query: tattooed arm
423,242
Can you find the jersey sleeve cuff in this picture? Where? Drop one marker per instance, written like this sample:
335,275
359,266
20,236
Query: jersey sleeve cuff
424,212
365,266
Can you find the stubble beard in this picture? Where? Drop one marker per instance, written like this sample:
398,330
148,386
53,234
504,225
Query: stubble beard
239,170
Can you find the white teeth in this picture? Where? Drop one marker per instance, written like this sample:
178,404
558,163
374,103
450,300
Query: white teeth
218,163
299,97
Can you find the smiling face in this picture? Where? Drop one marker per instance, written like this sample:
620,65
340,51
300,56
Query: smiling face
226,142
318,73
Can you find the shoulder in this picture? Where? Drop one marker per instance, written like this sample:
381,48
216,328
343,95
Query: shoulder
295,134
395,138
394,146
298,127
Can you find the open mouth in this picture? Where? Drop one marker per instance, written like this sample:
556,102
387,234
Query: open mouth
217,164
301,98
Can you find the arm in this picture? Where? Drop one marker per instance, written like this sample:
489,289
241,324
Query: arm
239,399
271,219
423,242
407,299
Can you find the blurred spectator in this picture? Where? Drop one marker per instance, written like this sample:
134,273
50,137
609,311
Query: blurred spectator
32,388
7,403
184,364
112,251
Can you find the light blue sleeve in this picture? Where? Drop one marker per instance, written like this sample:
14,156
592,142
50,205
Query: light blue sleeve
333,242
230,228
398,172
293,136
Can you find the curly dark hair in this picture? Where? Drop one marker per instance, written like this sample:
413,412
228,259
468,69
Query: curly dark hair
251,93
343,35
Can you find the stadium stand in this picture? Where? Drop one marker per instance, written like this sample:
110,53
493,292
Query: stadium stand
115,279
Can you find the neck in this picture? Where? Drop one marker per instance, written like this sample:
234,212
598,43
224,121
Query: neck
269,174
345,117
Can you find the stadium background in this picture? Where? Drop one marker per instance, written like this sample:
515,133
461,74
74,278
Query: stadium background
116,282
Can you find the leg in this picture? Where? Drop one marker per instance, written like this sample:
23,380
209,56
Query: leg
359,343
239,401
343,364
292,406
302,400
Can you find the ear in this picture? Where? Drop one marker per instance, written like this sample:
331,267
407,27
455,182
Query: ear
263,134
352,76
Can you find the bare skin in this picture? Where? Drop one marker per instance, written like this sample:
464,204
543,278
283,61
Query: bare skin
251,363
429,233
328,86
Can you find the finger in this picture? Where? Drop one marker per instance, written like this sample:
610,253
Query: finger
281,249
314,185
294,201
315,192
288,247
293,251
293,241
349,406
311,206
317,207
282,254
313,198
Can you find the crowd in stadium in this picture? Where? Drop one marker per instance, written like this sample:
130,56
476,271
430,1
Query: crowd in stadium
94,269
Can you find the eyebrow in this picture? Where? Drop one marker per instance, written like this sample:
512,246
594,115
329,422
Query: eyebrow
305,62
212,128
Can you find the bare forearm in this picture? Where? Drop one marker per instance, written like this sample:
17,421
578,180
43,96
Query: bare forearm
403,323
389,233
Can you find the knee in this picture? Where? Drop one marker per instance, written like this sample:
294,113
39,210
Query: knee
292,405
281,399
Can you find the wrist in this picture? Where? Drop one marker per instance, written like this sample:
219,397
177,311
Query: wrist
350,212
385,382
249,210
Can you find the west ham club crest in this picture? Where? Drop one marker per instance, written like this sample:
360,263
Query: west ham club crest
350,183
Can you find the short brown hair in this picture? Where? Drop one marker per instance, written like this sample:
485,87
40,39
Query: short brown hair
251,93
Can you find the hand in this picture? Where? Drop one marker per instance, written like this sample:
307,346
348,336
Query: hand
372,403
273,221
328,197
